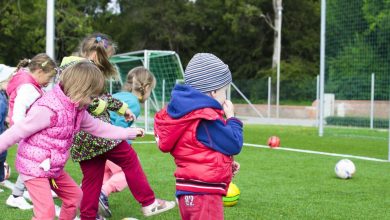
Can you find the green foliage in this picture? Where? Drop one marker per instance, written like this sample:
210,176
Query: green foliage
358,33
235,30
356,122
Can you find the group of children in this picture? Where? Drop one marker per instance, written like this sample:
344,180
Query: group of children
80,119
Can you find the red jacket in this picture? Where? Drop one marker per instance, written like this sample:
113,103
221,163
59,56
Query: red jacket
199,168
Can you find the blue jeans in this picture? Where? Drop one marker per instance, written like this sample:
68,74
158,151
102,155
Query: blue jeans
3,156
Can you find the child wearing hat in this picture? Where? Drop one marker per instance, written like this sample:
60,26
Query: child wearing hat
199,130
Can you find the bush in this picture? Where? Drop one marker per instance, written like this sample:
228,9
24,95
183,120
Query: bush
356,121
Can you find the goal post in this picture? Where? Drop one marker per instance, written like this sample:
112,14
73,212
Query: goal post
165,66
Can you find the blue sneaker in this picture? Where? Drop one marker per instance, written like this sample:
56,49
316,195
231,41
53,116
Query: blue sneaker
104,207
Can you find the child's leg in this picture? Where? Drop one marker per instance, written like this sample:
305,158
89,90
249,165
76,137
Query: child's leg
3,156
201,207
19,187
125,156
70,194
16,199
40,193
93,171
116,181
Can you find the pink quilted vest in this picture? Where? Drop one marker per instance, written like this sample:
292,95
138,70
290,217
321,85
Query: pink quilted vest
52,142
21,77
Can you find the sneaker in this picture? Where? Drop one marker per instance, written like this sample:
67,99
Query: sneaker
104,207
99,217
157,207
18,202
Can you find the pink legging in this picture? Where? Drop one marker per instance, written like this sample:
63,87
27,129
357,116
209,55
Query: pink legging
93,170
114,178
68,191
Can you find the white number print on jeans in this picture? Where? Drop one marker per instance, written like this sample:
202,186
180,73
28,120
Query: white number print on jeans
189,200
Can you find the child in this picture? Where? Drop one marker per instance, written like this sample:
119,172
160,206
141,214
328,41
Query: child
5,73
202,142
92,152
138,86
24,88
46,136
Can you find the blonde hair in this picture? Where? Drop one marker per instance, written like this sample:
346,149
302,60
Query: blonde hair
40,61
140,80
81,80
104,47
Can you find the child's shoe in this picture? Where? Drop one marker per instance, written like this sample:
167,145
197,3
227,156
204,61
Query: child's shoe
104,207
99,217
18,202
157,207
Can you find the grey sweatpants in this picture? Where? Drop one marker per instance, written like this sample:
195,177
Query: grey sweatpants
19,187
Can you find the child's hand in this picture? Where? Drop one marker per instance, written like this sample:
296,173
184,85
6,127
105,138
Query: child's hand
129,115
140,132
235,168
228,108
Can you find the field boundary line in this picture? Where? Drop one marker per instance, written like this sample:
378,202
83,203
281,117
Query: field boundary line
317,152
295,150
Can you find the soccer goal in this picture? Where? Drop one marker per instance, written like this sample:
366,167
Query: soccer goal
166,67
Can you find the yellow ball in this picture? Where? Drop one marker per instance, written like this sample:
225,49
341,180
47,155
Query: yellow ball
232,196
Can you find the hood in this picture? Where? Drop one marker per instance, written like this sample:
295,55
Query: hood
185,99
187,105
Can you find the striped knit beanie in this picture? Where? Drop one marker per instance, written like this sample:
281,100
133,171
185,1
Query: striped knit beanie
205,72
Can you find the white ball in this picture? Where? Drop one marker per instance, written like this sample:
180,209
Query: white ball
345,169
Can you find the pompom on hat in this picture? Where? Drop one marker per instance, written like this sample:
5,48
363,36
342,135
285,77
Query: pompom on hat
6,72
205,72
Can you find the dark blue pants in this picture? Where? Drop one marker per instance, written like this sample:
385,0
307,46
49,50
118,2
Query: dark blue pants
3,156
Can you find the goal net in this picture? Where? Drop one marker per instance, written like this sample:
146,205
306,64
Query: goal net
165,66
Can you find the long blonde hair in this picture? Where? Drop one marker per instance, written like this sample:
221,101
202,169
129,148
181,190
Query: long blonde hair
141,81
104,47
81,80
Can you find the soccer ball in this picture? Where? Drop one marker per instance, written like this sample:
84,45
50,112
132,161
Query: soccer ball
345,169
273,142
232,195
7,171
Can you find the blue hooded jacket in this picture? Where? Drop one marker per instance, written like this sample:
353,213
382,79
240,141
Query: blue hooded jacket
225,137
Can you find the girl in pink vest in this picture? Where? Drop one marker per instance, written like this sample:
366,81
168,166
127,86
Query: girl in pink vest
46,134
24,88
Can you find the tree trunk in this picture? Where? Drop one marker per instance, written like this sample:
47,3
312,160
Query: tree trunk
278,29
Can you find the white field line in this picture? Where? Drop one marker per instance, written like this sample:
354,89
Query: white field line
295,150
317,152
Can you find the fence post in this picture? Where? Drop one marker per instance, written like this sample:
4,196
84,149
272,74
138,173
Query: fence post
163,94
318,101
269,98
372,100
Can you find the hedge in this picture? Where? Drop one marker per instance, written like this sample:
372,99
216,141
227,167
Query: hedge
356,121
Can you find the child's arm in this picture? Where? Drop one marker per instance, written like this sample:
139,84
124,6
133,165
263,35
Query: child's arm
27,94
110,103
37,119
102,129
225,138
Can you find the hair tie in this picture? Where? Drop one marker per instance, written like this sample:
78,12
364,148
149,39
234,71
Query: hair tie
99,39
29,61
44,63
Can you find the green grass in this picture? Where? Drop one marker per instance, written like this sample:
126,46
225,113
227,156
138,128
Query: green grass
275,184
